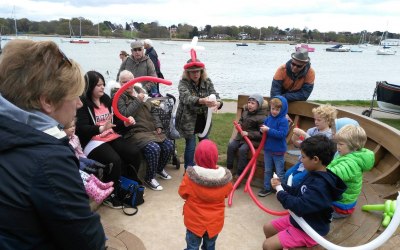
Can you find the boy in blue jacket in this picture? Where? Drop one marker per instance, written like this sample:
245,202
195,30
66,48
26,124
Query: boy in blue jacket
276,126
312,199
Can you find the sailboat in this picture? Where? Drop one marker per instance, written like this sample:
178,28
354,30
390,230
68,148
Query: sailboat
71,34
100,40
79,40
16,29
385,50
259,38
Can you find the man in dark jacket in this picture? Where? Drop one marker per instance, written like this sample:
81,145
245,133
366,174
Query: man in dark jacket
151,52
295,79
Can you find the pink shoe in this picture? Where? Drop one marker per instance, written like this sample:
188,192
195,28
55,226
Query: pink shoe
96,193
99,183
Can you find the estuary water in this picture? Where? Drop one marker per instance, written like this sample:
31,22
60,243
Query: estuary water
250,69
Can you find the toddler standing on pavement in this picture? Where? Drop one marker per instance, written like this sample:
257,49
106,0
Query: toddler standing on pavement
204,188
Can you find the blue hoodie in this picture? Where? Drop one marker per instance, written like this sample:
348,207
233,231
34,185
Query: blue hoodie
313,198
278,129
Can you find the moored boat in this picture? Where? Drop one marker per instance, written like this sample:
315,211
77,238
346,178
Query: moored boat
79,41
305,46
338,48
242,44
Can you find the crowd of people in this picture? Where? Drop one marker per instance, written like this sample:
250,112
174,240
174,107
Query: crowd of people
45,162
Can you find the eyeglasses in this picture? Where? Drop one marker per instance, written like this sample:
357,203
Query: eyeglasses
64,59
137,49
298,65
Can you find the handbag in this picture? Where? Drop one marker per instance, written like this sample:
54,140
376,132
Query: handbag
130,194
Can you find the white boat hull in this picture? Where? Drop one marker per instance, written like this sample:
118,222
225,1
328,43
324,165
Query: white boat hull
385,52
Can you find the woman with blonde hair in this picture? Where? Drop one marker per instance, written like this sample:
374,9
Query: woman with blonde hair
41,190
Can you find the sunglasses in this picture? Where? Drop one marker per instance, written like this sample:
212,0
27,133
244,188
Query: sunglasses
137,49
298,65
64,59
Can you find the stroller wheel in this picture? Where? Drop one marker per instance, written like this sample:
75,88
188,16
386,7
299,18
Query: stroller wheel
366,112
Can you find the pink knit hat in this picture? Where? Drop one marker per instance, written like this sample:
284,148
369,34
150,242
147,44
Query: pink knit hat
206,154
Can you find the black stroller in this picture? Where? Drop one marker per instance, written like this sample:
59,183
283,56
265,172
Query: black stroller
387,97
164,107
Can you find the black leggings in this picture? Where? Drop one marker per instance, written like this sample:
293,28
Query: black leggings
121,154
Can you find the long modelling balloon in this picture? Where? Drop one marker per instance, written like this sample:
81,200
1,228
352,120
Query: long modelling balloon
127,85
212,97
253,166
374,244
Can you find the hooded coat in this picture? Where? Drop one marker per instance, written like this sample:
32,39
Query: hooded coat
204,189
313,198
278,130
350,168
43,203
251,122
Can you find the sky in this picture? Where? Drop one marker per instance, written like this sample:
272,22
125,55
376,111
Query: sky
323,15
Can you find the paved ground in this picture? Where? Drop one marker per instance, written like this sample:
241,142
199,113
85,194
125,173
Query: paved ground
230,107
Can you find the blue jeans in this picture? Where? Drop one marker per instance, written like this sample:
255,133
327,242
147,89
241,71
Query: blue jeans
271,161
190,146
193,241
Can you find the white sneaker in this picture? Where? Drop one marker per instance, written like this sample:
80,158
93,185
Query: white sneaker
164,175
154,185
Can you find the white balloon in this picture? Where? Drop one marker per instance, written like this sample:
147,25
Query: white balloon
192,45
212,97
377,242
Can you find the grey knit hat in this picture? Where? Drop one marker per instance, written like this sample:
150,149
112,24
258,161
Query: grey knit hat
258,98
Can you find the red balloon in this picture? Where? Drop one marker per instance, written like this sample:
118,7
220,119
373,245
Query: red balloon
252,165
127,85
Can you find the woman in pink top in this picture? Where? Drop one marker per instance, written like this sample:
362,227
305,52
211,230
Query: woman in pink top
94,128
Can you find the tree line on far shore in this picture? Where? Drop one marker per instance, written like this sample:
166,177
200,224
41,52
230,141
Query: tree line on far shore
75,26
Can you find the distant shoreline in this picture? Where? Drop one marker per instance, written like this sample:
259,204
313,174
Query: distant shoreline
188,40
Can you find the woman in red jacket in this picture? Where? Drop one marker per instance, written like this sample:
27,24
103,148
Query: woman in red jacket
204,189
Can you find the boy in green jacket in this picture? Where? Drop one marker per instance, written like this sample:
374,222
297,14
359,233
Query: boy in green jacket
349,165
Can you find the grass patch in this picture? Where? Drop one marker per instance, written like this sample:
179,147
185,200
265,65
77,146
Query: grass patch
358,103
395,123
221,132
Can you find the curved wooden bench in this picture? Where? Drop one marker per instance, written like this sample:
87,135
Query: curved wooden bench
382,182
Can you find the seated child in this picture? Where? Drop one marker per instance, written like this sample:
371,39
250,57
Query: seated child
88,165
95,189
204,188
252,118
276,126
349,165
311,200
324,119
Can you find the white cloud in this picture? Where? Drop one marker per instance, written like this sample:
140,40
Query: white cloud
333,15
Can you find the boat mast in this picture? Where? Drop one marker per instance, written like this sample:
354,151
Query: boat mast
15,22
